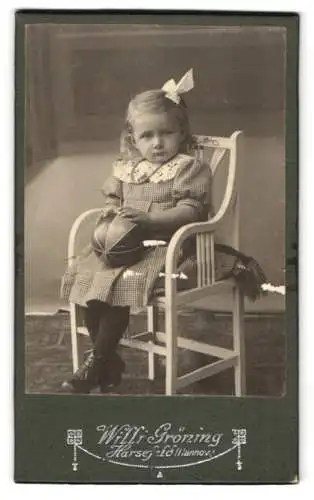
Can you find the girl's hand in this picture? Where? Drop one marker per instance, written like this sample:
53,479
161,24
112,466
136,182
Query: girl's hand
109,211
134,215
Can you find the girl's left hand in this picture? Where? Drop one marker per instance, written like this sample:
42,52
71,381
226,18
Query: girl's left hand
134,215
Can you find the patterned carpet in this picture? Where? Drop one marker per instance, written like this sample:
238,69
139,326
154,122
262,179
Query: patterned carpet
48,361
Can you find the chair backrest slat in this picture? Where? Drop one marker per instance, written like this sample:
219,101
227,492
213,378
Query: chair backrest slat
217,145
214,150
208,141
216,159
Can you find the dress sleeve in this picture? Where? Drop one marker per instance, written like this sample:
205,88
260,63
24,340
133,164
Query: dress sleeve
112,190
192,186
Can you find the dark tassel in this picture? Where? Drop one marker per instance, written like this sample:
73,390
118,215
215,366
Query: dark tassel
249,277
246,271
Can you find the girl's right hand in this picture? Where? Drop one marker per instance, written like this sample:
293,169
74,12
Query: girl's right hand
107,211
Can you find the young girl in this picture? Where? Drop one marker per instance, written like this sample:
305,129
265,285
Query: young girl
157,185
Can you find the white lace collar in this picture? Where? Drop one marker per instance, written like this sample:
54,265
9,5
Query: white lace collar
140,171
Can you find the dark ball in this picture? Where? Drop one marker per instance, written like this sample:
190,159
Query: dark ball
118,241
99,236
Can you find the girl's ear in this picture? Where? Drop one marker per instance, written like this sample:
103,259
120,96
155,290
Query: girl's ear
127,145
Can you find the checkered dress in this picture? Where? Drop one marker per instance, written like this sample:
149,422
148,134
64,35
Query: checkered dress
183,181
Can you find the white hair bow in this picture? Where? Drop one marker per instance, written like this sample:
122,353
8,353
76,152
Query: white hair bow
174,90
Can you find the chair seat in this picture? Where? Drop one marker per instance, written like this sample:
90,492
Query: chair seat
193,294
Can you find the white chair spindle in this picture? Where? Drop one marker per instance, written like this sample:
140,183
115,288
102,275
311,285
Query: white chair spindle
207,259
198,259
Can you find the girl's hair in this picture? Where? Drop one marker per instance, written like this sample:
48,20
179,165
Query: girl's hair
153,101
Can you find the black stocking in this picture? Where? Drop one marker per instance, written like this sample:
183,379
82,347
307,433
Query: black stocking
106,325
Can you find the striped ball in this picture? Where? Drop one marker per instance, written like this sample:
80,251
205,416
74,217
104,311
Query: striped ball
118,241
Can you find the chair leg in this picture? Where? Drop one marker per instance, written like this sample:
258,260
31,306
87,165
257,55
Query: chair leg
171,348
151,327
239,342
74,343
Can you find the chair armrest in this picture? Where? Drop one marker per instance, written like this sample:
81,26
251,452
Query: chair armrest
75,228
182,234
175,245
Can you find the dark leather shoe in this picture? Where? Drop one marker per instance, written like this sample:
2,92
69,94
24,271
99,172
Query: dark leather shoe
85,378
112,373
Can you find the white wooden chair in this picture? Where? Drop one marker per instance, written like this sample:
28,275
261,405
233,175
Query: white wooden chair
217,148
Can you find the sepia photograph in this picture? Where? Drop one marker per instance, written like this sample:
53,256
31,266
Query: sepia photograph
156,163
155,209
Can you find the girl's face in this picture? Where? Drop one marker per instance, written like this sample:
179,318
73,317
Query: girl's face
157,136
